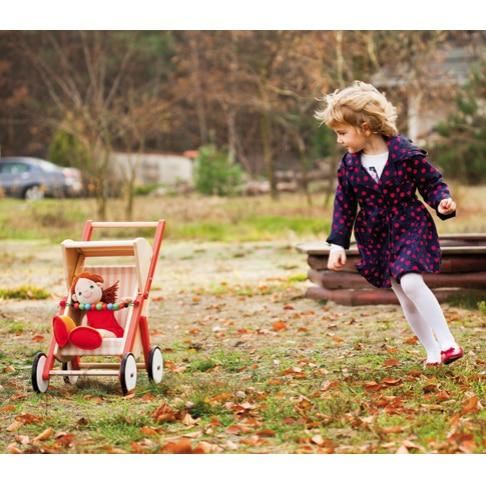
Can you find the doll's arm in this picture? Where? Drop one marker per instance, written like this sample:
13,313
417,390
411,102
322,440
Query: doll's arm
344,211
431,185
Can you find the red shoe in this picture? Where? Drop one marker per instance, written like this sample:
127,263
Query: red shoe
451,354
85,337
61,327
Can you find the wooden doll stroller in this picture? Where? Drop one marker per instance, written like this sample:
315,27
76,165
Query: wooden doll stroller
135,280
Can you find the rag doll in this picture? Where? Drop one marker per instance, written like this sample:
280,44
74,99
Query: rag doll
88,294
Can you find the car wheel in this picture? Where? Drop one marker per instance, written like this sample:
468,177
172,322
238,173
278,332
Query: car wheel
34,193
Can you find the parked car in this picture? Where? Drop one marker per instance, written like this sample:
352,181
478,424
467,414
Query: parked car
32,178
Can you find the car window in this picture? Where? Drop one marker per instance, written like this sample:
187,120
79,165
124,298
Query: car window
48,166
14,168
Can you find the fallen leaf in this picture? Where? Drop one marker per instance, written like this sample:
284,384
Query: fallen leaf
38,338
391,381
13,449
164,414
46,434
23,439
149,431
195,435
266,433
429,388
472,404
7,408
317,439
327,384
411,340
279,326
391,363
205,447
394,429
181,446
237,429
337,339
411,445
64,439
372,386
27,418
441,396
188,420
14,426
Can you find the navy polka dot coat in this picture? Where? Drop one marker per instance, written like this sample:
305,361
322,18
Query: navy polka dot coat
394,231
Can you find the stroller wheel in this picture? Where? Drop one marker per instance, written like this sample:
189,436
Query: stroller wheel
71,380
155,365
128,373
38,383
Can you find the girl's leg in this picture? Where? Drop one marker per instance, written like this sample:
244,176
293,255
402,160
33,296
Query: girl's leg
416,290
419,326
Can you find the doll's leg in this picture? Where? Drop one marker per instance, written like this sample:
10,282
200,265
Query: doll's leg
416,290
420,327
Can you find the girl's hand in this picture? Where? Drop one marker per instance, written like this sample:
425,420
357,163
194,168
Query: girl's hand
337,259
447,206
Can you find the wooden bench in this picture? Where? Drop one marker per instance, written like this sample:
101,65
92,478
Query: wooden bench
462,272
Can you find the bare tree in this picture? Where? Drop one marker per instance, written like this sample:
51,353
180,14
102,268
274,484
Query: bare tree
83,84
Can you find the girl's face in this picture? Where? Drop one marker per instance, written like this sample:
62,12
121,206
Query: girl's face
350,137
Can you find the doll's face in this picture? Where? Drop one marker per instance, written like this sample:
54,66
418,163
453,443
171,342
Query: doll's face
87,292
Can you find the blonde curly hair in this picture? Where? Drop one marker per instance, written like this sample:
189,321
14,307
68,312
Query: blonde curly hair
356,104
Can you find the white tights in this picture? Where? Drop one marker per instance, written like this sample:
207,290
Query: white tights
424,314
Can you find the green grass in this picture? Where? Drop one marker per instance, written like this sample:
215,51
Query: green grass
210,219
319,383
197,217
24,292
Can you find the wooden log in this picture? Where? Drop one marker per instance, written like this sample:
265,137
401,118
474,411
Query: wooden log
450,244
338,280
350,280
379,296
463,263
463,239
320,262
353,297
449,264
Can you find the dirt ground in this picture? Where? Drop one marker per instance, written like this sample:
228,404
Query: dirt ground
254,365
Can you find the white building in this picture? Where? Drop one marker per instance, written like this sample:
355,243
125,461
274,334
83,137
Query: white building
167,169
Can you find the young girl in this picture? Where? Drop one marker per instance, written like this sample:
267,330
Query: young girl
395,234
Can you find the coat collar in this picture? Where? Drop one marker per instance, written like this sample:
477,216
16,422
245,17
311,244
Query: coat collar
399,148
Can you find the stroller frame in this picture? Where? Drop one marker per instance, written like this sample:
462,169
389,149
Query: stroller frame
136,329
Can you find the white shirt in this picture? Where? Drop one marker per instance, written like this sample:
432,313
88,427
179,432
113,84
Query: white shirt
373,164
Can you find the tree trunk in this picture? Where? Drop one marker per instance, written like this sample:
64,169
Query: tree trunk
130,194
331,177
339,58
266,135
198,92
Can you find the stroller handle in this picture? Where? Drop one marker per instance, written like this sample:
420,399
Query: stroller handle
159,226
124,224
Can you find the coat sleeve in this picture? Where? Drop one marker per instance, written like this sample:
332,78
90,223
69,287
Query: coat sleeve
344,211
431,185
